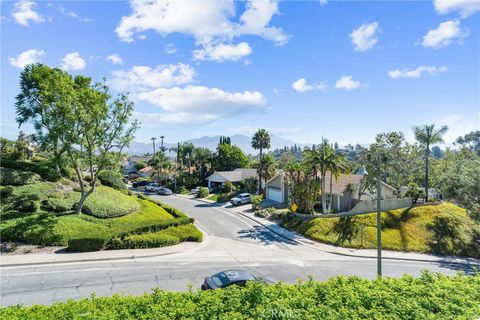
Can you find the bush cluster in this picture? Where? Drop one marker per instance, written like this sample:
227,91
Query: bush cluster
202,193
109,203
86,244
265,213
43,168
256,201
112,179
166,237
59,202
225,197
14,177
430,296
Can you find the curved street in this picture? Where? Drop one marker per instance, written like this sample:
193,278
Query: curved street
231,241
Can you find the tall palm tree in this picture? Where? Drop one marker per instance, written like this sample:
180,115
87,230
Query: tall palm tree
321,160
153,142
260,141
269,167
427,135
203,160
338,165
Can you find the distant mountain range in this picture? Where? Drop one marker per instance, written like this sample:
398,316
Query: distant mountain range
242,141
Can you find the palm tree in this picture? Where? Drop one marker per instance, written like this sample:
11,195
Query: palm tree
203,160
321,160
153,142
269,167
261,140
427,135
338,165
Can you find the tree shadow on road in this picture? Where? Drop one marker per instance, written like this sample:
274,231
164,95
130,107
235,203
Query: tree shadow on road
264,235
209,205
470,269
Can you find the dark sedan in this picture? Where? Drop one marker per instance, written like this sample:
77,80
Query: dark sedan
227,278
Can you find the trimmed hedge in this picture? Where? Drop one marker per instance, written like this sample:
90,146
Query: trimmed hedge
86,244
14,177
166,237
59,202
430,296
202,192
109,203
43,168
112,179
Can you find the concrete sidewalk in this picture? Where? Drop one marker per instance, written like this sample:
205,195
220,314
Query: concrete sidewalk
359,253
65,257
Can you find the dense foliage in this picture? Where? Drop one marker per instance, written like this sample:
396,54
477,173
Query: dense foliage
14,177
112,179
440,229
202,193
430,296
109,203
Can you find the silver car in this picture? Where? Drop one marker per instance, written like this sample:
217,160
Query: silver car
242,198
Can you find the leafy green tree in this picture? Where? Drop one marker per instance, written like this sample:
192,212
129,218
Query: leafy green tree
203,159
428,135
260,141
471,141
140,165
303,185
338,166
74,116
229,157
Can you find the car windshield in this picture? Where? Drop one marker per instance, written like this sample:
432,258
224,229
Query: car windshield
220,279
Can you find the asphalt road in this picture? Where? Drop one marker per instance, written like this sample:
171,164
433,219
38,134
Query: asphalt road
231,241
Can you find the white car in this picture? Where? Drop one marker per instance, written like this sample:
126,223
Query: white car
241,199
195,190
152,187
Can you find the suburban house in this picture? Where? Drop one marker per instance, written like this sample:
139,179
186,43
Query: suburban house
345,190
218,178
146,172
129,164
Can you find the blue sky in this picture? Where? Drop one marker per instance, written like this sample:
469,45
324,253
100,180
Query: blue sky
302,70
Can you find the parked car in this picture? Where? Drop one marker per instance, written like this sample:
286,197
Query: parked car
241,199
195,190
138,184
152,187
227,278
164,191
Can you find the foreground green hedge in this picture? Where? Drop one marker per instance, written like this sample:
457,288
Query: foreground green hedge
431,296
44,168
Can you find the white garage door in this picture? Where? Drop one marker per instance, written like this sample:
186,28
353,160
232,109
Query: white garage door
274,194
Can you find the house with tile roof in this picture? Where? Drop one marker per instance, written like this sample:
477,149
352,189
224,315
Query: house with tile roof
218,178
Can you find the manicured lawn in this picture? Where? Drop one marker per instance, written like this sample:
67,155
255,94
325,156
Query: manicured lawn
213,197
444,229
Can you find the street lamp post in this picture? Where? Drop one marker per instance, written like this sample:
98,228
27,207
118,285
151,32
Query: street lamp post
379,224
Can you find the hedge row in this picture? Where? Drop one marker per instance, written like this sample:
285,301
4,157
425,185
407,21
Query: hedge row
112,179
44,168
430,296
86,244
166,237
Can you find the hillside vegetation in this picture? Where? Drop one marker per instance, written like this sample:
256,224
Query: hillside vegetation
42,212
431,296
439,229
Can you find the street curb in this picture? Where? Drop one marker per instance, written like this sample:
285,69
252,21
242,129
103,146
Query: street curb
354,255
346,254
87,260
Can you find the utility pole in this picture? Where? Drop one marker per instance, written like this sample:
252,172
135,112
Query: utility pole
379,223
153,141
161,143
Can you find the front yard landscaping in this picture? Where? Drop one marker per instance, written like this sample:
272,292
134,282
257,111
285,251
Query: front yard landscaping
439,229
42,213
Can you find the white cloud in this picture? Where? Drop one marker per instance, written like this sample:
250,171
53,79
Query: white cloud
23,13
170,48
144,78
223,52
115,59
323,2
71,14
417,72
347,83
200,104
209,22
301,85
73,61
451,119
464,7
27,57
154,120
364,37
443,35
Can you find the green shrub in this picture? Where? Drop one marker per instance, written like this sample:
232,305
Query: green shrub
86,244
265,213
228,187
105,202
256,201
202,193
17,177
187,232
5,191
225,197
182,190
143,241
44,168
28,206
430,296
112,179
61,202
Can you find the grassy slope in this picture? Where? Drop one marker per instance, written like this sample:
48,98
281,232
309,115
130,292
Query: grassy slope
403,230
47,224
